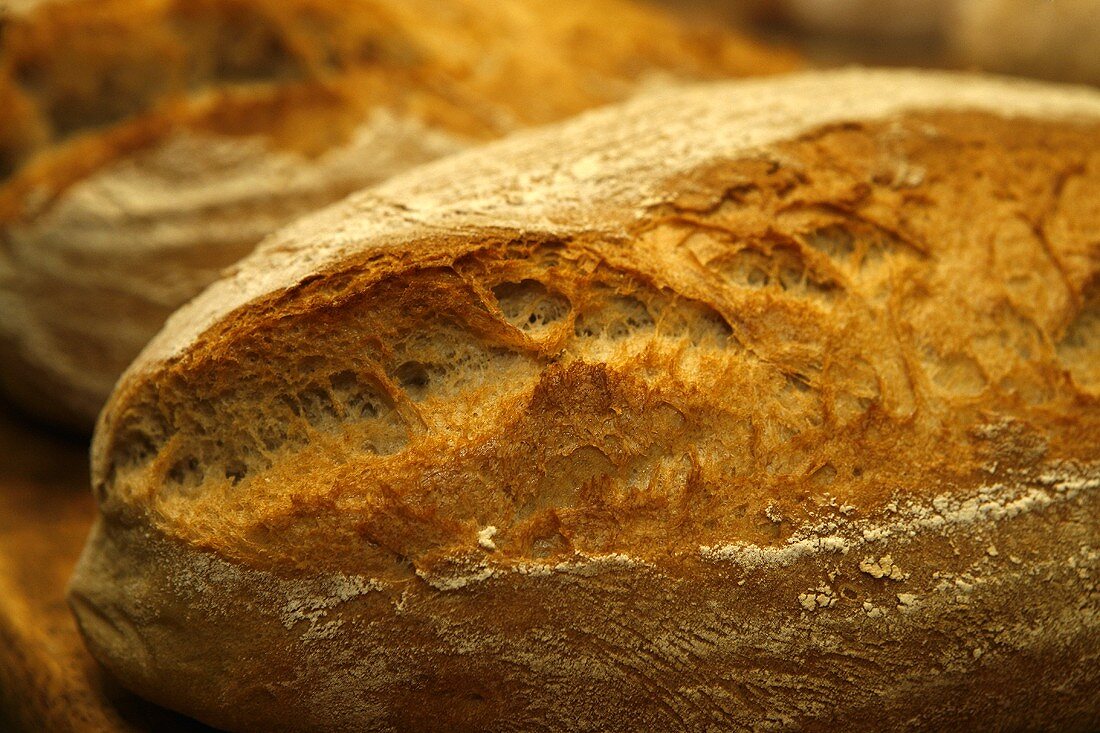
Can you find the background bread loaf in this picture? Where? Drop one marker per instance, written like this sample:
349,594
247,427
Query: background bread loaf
146,145
870,19
1057,40
768,404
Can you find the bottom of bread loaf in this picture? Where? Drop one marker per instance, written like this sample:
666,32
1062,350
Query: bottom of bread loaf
979,610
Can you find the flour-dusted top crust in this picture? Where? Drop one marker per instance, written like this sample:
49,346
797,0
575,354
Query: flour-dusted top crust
609,165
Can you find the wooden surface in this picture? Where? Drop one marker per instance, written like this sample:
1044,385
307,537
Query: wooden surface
48,682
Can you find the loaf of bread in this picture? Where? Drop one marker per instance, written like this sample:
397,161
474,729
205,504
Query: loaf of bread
146,145
770,404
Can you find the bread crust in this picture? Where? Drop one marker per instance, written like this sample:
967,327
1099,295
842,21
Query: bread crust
146,145
731,407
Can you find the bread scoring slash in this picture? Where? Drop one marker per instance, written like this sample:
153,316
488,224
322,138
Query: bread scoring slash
767,404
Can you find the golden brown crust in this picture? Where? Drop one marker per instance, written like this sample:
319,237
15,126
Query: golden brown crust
829,317
834,366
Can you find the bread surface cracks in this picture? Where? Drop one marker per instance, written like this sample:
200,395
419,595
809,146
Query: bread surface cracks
779,339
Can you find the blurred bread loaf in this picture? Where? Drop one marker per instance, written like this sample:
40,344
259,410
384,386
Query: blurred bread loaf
1050,40
767,404
145,145
869,19
1058,40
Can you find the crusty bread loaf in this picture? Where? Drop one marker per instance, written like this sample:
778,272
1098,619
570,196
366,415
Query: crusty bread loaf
145,145
769,405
